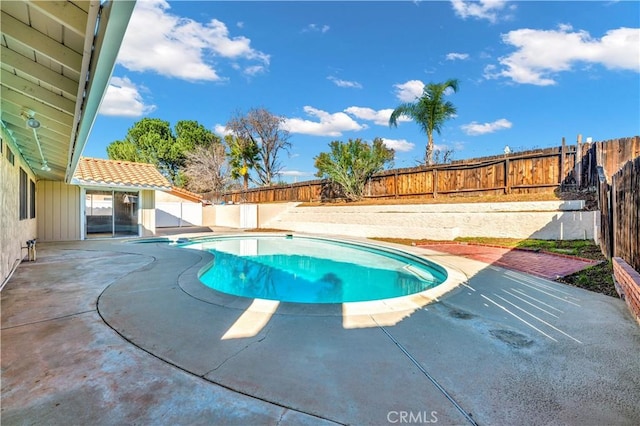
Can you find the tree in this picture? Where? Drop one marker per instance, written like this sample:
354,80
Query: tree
151,140
206,168
351,164
243,155
191,135
148,141
262,129
430,111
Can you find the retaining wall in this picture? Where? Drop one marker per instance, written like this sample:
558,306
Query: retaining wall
542,220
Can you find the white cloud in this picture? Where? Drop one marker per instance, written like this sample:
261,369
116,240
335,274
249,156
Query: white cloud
254,70
409,91
345,83
314,28
398,145
123,99
221,130
453,56
380,117
295,173
474,128
328,124
541,54
173,46
483,9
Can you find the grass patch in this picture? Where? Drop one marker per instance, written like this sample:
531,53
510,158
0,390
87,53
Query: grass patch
596,278
579,248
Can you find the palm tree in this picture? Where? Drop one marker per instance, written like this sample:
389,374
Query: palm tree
243,155
430,111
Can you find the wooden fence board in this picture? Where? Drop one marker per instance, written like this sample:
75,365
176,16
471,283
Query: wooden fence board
542,170
626,213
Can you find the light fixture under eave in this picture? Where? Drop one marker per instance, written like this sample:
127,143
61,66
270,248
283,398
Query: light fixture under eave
45,167
33,123
29,118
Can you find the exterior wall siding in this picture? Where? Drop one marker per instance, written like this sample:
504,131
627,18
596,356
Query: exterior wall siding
147,213
58,207
14,232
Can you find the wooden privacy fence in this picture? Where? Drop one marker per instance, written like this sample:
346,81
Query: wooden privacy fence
542,170
611,155
620,213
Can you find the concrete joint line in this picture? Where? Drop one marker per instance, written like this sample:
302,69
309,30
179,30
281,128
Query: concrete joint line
432,379
50,319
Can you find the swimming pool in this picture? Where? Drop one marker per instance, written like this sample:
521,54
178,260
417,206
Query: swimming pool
313,270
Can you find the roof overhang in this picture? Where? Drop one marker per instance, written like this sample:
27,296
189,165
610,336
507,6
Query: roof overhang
115,186
57,59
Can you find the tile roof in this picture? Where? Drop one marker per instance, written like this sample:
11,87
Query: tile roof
99,172
187,195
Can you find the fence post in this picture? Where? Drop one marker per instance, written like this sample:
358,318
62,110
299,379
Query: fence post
395,184
507,186
613,211
434,173
579,163
589,166
563,154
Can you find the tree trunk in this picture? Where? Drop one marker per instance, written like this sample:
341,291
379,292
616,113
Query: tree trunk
428,155
245,176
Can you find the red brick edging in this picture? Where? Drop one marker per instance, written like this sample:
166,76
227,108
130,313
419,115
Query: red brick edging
627,282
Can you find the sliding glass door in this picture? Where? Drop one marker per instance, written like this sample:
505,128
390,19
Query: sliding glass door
125,216
111,214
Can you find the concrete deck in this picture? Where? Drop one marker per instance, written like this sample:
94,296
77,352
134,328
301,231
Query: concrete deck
108,332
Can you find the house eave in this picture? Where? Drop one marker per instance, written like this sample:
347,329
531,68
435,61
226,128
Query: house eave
113,20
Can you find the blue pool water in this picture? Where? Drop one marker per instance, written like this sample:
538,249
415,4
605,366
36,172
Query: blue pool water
313,270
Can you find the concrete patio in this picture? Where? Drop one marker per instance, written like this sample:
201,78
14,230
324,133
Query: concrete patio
110,332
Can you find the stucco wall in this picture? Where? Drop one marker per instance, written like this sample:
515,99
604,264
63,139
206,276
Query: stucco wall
13,232
209,215
228,215
165,197
270,212
544,220
58,211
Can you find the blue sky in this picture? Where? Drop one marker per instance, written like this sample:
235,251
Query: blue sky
529,72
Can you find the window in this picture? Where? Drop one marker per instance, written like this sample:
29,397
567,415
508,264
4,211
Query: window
23,194
10,156
32,199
